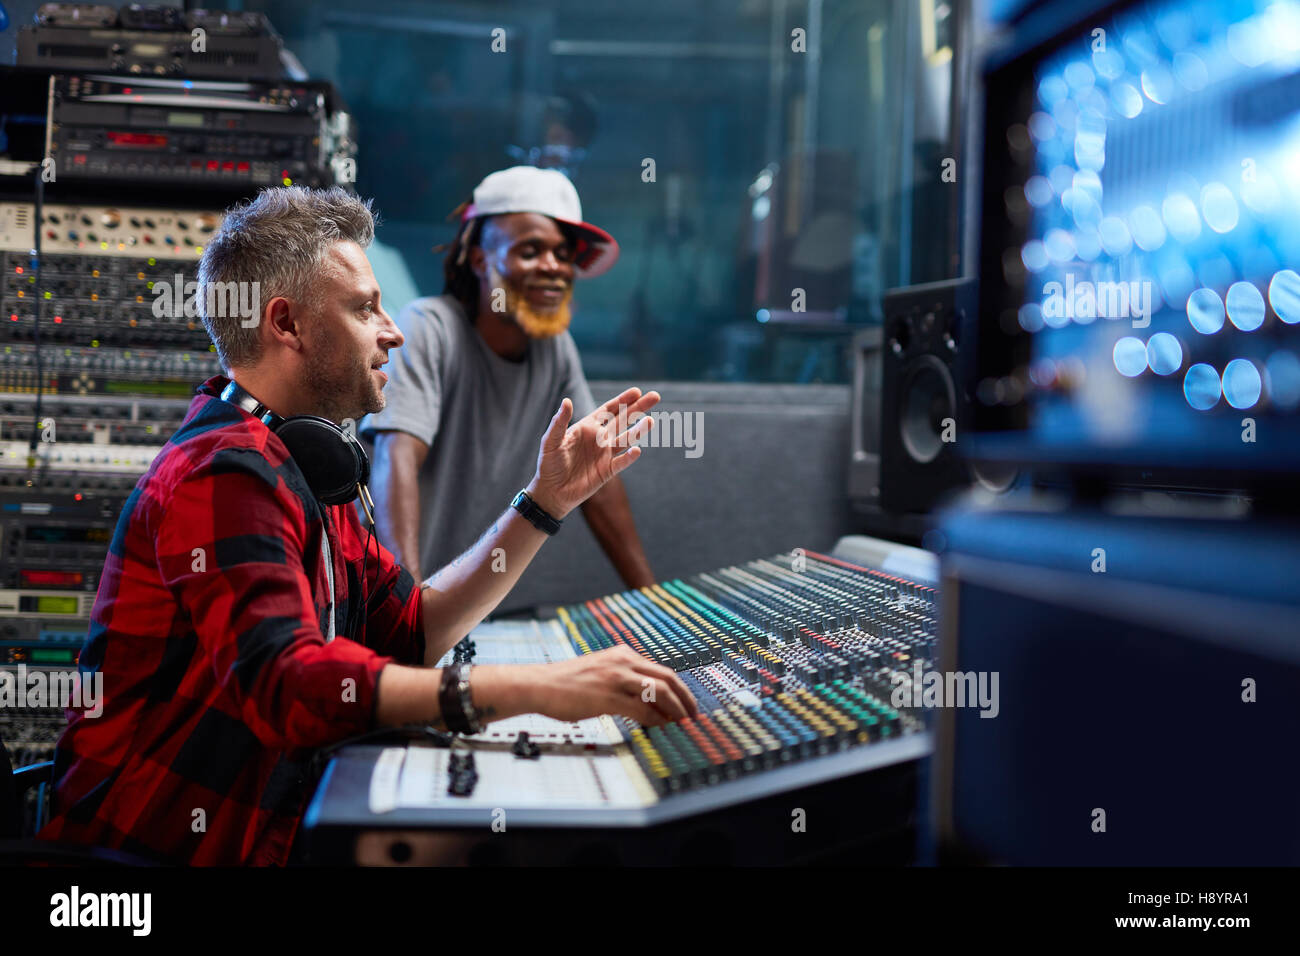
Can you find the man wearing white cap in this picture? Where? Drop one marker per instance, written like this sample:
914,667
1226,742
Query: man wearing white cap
484,366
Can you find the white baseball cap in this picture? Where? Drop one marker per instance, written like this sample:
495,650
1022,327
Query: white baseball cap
549,192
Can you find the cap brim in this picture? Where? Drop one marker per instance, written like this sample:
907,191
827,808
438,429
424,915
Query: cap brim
597,250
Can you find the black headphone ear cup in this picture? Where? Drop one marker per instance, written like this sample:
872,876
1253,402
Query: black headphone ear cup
332,461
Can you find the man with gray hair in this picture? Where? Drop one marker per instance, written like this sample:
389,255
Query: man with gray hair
231,572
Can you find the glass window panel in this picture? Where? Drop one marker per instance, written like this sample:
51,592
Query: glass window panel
799,156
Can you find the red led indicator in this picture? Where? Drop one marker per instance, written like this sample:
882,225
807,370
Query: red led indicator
64,579
147,140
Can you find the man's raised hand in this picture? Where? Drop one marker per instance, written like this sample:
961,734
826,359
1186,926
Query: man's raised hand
576,460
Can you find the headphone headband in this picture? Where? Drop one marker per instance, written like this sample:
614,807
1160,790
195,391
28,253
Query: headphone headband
237,395
332,461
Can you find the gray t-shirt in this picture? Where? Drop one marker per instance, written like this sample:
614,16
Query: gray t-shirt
482,417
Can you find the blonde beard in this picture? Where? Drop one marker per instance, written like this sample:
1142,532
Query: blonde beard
543,325
536,325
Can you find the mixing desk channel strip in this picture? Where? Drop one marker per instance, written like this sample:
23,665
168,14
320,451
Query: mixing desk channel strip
790,657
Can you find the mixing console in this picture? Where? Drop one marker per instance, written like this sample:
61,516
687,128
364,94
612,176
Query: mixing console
793,660
788,657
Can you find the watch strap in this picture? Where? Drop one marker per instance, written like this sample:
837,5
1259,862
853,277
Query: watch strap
455,702
535,513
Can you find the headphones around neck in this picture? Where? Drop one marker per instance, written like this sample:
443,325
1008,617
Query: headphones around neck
332,460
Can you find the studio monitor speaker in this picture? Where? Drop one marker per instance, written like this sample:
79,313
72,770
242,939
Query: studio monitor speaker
926,390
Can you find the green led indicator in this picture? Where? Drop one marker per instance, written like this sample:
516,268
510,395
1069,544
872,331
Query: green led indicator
56,605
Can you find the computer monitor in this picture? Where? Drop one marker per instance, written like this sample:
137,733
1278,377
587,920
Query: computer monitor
1140,245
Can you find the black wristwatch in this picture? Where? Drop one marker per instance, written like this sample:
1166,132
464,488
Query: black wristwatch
536,516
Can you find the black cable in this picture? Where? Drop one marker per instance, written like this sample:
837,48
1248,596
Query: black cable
40,299
357,609
353,620
370,588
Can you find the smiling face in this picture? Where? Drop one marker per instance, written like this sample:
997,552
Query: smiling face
528,256
349,339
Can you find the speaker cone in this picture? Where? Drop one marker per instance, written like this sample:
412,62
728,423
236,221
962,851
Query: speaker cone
928,399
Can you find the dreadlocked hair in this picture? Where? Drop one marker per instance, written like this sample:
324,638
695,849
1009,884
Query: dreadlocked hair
459,280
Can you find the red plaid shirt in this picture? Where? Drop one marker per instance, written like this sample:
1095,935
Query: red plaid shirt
208,630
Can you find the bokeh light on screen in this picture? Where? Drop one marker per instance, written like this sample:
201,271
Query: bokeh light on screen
1219,207
1181,217
1241,383
1158,83
1190,71
1260,194
1115,238
1126,100
1164,354
1059,245
1245,306
1108,63
1052,90
1176,278
1284,296
1201,387
1034,256
1130,355
1038,191
1167,164
1205,311
1148,230
1030,317
1079,76
1042,127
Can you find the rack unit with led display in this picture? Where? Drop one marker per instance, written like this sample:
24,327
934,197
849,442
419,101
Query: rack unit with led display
118,364
200,134
1140,248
